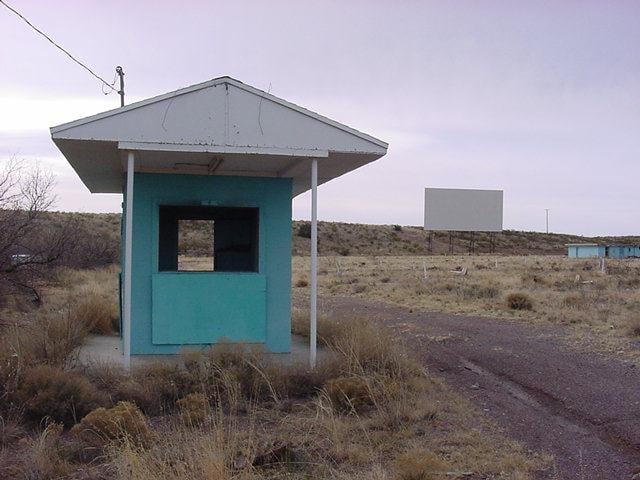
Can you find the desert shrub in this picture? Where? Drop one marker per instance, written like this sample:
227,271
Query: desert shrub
236,366
49,392
10,430
123,423
633,326
344,251
117,385
304,230
531,278
301,282
477,291
629,282
195,409
51,339
519,301
573,301
349,394
420,465
327,328
181,454
230,373
97,312
156,388
301,382
46,458
360,288
385,280
397,228
365,349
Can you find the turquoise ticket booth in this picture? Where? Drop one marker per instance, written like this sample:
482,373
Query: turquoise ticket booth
226,159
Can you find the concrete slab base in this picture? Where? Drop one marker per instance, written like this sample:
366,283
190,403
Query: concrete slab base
107,350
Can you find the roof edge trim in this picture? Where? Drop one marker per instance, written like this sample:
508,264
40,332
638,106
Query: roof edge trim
222,149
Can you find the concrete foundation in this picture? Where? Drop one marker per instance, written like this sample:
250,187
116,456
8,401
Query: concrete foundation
107,350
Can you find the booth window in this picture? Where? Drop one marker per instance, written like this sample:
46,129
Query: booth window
208,239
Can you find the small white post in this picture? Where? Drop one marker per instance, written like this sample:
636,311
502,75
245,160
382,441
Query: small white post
128,232
313,314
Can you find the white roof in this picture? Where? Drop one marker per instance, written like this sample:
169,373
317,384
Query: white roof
220,127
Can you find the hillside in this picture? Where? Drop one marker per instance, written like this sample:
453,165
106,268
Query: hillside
359,239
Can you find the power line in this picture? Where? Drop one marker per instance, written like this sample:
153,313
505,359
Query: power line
59,47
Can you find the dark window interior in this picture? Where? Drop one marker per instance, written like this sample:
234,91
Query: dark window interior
202,238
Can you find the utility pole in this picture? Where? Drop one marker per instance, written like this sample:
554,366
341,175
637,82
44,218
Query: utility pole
120,73
547,213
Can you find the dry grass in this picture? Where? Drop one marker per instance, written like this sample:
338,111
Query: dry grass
599,307
98,312
232,412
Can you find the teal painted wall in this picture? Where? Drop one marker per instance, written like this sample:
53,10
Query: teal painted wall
250,307
586,251
611,251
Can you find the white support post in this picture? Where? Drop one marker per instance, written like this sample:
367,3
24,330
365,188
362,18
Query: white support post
314,263
128,232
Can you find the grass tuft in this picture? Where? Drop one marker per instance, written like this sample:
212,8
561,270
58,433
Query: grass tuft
519,301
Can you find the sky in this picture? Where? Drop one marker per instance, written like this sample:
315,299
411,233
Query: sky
538,98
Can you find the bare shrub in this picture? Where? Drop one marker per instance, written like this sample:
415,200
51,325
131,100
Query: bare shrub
49,392
420,465
301,282
123,423
519,301
27,245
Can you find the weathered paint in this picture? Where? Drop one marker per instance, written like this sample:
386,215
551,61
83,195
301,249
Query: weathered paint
253,132
586,251
216,297
236,312
598,251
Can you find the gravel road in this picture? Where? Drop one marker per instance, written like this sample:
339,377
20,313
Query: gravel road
583,408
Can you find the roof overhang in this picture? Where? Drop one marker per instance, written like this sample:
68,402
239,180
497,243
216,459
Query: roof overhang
220,127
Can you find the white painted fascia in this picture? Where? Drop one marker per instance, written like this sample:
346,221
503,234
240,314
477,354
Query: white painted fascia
222,149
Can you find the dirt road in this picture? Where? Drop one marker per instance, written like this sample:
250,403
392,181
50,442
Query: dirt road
582,408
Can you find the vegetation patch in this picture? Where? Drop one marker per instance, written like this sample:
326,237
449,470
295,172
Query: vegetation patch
519,301
122,424
51,393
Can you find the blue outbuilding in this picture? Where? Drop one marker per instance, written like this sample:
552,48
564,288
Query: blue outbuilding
597,250
230,157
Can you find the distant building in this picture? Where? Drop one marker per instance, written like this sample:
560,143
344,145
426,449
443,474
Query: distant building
597,250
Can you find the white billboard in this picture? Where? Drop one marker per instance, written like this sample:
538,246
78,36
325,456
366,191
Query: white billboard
462,210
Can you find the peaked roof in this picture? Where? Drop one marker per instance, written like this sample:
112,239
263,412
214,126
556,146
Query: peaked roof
220,127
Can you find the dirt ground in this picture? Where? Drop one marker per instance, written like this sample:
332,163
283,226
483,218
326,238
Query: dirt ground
581,407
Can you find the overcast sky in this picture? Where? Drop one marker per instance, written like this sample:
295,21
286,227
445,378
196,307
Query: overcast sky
541,99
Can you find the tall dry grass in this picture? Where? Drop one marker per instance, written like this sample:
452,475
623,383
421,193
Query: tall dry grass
233,412
598,306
